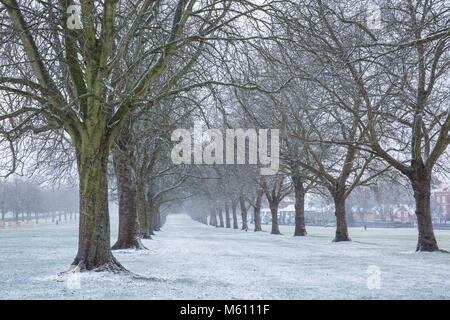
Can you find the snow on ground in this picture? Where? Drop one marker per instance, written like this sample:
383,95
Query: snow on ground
188,260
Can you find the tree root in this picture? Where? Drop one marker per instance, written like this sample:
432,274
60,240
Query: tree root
341,239
136,244
110,266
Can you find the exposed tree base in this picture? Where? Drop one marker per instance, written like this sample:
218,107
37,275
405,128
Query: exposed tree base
132,244
427,245
146,236
276,232
257,229
110,266
341,238
301,233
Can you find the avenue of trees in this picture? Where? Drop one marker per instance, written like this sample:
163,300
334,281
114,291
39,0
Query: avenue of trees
357,104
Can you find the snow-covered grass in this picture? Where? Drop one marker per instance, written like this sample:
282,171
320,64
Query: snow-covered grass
188,260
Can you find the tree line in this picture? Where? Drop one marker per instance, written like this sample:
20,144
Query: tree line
26,201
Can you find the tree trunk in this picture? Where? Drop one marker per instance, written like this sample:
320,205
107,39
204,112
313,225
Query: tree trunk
274,211
36,217
219,211
213,220
257,211
243,213
156,218
150,211
234,209
341,221
350,219
362,216
299,190
421,184
391,213
128,217
142,212
94,248
162,218
227,216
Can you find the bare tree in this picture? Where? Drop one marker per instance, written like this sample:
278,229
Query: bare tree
276,189
397,76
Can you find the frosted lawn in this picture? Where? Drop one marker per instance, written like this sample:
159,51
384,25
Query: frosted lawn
188,260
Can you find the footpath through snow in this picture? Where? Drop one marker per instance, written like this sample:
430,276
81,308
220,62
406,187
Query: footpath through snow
188,260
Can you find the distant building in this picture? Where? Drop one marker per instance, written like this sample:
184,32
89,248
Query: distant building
266,216
403,214
368,217
286,214
443,198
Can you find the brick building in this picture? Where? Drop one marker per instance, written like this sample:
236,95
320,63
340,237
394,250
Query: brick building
443,198
403,214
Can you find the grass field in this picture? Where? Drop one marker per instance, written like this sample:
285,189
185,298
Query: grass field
188,260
